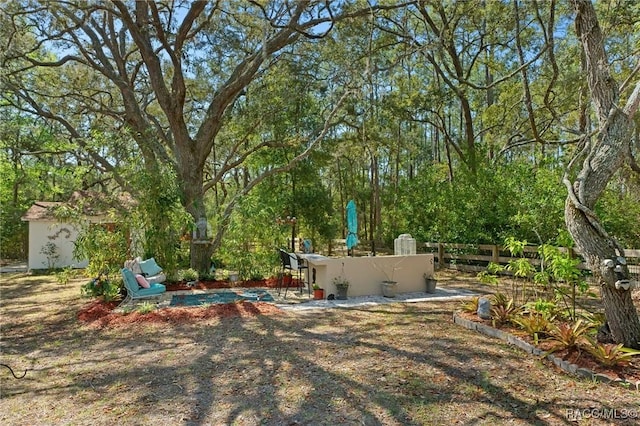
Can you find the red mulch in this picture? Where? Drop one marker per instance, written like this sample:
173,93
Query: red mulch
95,310
211,285
581,358
100,314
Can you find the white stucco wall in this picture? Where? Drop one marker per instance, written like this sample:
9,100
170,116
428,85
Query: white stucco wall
365,274
62,235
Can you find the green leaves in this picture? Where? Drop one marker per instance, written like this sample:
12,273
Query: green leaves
609,354
568,336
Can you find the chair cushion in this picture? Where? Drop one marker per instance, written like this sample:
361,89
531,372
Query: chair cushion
160,278
133,265
150,267
134,289
142,281
130,281
152,290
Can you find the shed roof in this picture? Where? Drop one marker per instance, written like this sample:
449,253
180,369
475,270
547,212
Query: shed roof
41,210
92,204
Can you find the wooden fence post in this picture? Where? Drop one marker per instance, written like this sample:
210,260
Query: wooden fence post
495,254
440,255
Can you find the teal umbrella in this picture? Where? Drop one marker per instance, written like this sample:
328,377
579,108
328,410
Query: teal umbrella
352,225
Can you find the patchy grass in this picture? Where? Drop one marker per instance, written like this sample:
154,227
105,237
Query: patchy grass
395,364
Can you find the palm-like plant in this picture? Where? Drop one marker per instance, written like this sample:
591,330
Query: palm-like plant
609,354
504,311
535,325
567,336
471,305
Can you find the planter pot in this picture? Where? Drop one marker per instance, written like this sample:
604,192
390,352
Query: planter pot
318,294
389,288
342,292
431,285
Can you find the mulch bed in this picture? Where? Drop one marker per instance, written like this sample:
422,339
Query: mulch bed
213,285
581,358
99,313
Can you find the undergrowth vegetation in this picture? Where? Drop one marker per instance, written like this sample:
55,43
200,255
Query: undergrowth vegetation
551,304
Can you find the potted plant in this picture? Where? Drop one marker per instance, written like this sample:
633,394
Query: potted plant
342,287
430,282
318,293
389,285
389,288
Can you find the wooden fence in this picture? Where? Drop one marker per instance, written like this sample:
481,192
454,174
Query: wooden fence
476,257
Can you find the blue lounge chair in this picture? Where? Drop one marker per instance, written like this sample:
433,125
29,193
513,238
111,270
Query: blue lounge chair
134,291
148,268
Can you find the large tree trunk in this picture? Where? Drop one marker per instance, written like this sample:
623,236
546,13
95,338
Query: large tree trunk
602,156
201,247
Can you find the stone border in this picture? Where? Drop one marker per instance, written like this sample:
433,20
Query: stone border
531,349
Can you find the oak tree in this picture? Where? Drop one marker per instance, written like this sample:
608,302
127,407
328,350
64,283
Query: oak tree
602,153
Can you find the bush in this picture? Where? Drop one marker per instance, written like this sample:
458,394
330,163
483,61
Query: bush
188,275
101,286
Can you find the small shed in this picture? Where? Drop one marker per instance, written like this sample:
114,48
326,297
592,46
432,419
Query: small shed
51,241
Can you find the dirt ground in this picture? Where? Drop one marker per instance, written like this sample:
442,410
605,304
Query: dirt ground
394,364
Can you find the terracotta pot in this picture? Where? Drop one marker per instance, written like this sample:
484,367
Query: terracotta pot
318,294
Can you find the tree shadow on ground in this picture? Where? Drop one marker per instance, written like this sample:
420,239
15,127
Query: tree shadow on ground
388,364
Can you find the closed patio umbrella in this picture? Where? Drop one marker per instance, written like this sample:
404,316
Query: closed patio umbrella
352,225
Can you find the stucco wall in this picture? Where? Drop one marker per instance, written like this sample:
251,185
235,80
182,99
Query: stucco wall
365,274
62,235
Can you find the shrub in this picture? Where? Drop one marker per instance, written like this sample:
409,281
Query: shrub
487,277
547,308
101,286
188,275
105,248
503,314
65,275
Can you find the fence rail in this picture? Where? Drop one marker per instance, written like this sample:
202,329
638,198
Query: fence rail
476,257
